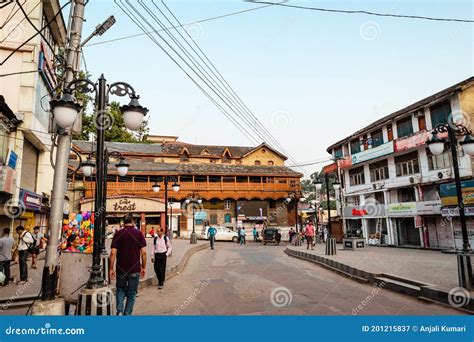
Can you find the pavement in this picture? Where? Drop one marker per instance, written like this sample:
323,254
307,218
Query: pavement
433,268
15,292
262,280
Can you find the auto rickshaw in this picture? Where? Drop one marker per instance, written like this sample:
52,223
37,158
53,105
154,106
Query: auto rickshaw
271,235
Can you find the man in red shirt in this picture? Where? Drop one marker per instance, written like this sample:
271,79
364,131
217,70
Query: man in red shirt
309,232
129,249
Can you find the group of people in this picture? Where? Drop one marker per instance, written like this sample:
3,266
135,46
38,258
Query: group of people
19,251
309,234
128,260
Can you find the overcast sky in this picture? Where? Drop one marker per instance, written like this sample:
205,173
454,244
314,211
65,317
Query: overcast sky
311,78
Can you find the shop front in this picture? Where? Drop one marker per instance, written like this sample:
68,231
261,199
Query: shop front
407,227
148,212
33,212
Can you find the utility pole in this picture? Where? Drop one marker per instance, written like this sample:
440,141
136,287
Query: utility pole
51,268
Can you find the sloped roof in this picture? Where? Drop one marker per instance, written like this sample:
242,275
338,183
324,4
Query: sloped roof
430,100
149,167
131,148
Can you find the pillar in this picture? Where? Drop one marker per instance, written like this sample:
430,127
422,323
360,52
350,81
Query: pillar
143,223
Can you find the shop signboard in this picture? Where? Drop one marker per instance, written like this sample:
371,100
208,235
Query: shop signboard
401,209
365,211
200,215
30,200
428,208
345,163
448,193
373,153
453,212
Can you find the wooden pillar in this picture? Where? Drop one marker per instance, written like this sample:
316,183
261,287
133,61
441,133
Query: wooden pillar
162,220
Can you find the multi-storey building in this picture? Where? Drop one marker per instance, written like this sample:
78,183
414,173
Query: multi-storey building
391,180
28,79
239,186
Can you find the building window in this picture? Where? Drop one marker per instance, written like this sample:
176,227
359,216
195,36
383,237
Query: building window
389,132
356,176
184,158
421,123
438,162
213,218
407,164
379,197
377,138
238,161
338,152
355,146
270,162
440,113
257,162
353,200
406,195
378,171
212,161
226,158
404,127
227,204
227,218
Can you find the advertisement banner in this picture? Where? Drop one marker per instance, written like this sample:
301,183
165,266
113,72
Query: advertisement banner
415,140
373,153
448,193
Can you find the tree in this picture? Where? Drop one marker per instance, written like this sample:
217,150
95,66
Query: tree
115,129
309,189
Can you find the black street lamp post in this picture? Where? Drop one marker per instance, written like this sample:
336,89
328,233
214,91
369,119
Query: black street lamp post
295,196
193,199
437,147
330,241
133,114
175,186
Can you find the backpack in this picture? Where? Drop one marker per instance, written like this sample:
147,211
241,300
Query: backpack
31,246
166,241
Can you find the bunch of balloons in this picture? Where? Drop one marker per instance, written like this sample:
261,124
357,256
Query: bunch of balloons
78,233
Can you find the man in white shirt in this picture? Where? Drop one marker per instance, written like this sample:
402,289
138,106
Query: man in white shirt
161,250
6,247
25,242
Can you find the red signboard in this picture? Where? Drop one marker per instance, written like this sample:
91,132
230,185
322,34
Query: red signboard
345,163
359,212
331,168
415,140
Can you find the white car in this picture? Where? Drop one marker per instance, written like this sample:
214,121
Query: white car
223,234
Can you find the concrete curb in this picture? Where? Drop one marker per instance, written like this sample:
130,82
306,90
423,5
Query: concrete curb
174,270
397,284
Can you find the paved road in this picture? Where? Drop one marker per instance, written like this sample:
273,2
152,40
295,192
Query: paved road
262,280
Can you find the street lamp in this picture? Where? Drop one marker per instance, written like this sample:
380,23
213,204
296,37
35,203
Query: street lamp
193,199
65,112
296,197
156,188
330,241
436,146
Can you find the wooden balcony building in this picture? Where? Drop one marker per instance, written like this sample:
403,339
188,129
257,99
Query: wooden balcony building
239,186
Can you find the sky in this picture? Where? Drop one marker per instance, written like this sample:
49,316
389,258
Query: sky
311,78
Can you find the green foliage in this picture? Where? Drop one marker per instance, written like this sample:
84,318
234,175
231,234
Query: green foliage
117,131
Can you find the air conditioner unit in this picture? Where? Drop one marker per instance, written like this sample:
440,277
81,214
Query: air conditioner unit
377,186
415,179
444,174
418,113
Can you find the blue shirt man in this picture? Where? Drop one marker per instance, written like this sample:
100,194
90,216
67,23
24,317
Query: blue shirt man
211,234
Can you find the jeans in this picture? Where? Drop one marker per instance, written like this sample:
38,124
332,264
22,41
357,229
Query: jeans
160,267
22,259
212,239
242,239
5,268
127,285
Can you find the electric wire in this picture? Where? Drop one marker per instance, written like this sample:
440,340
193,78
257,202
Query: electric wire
33,25
143,28
18,24
403,16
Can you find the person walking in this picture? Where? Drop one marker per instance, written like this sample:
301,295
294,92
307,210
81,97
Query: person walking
290,234
309,232
161,251
129,250
25,246
242,236
255,234
39,242
211,235
325,233
6,248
